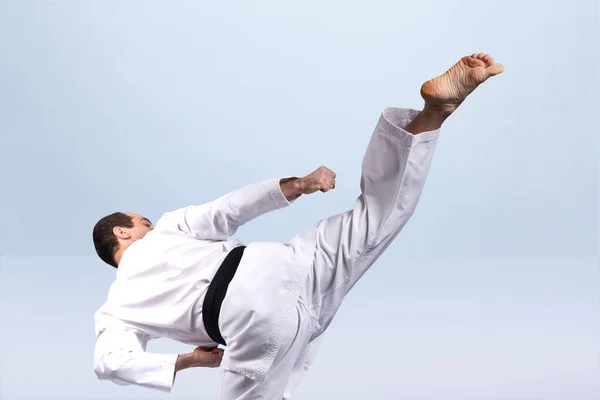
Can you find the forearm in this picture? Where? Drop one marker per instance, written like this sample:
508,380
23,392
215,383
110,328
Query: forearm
120,356
220,219
155,371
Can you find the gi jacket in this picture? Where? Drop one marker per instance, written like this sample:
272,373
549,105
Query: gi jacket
162,279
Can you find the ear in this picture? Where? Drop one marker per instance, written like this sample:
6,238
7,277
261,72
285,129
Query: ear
121,233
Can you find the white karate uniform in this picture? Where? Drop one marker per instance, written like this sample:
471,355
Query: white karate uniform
283,296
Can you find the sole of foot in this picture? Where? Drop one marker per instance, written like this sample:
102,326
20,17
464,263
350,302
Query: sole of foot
447,91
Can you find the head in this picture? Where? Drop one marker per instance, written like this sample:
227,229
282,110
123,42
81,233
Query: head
114,233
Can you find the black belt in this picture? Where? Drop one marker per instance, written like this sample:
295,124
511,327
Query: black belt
215,294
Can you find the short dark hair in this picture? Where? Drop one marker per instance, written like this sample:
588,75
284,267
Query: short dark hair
105,241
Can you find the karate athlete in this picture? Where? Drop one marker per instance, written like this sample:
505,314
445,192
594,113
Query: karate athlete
186,279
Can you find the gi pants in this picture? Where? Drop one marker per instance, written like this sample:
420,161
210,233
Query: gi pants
394,171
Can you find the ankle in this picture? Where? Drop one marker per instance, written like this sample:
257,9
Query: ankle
438,111
430,119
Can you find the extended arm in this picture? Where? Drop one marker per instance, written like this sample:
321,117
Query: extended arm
220,219
121,357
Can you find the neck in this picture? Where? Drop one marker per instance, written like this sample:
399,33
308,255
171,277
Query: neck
119,254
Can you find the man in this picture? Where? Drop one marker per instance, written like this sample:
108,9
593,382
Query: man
269,303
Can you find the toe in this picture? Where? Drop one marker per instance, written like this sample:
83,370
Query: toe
494,69
486,58
475,62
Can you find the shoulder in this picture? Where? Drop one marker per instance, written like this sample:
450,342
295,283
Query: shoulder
171,220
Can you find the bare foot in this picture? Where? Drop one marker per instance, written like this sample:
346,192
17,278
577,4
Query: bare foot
448,91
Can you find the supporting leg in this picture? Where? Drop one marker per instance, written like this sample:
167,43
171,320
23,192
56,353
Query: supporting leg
237,387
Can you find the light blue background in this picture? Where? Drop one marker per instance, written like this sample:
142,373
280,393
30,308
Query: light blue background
491,292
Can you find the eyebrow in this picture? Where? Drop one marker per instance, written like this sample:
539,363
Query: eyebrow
146,219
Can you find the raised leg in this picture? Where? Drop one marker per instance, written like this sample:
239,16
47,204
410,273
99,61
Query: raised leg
394,171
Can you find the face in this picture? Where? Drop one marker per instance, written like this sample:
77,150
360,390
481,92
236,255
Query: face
141,226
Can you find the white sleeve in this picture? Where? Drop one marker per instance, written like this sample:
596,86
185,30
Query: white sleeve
121,357
220,219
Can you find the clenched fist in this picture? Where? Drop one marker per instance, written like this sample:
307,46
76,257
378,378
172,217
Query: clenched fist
210,358
322,179
200,357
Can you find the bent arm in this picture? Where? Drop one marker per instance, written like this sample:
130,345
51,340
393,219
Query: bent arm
220,219
121,357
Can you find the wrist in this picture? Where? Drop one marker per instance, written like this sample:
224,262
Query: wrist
184,361
291,188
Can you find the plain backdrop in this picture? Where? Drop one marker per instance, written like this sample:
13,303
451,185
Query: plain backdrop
491,291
